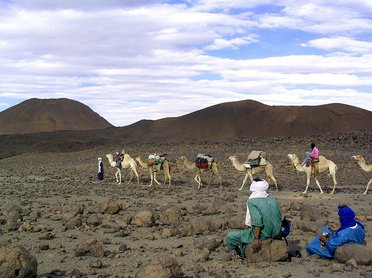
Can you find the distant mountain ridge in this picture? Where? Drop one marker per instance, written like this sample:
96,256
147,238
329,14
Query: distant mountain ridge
232,122
249,118
49,115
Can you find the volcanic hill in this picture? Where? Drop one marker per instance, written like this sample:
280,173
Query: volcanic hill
49,115
249,118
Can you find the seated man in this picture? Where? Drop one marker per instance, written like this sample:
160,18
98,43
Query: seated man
263,219
332,236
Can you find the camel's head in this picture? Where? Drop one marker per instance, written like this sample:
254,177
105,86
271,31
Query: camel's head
292,157
357,157
232,157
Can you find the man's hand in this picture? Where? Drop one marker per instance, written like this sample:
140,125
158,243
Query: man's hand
256,244
333,227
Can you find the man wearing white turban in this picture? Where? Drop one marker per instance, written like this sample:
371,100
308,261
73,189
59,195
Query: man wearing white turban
263,220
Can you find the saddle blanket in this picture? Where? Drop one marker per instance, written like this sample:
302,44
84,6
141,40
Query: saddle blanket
203,161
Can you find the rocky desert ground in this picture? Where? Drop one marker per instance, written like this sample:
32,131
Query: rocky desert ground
54,207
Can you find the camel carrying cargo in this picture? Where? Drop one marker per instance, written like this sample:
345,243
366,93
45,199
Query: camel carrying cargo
255,159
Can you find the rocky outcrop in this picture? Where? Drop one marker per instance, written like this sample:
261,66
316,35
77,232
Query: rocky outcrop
17,262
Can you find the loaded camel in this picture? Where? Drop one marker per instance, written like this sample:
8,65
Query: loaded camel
128,162
164,165
366,167
197,171
324,165
249,172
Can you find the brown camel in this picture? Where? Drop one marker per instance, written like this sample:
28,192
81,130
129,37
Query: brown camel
366,167
164,165
249,172
324,165
192,166
128,162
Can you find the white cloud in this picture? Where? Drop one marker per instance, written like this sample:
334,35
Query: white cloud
341,43
130,60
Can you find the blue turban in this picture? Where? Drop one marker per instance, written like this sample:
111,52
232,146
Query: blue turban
347,217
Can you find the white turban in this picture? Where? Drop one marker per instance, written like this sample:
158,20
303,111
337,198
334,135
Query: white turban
99,159
258,189
259,186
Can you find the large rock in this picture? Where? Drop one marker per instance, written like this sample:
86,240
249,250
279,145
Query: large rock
309,213
92,246
162,267
16,262
359,252
194,227
270,251
171,215
111,207
13,215
144,218
208,242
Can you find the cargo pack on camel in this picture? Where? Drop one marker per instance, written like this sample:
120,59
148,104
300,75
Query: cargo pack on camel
203,161
255,159
156,161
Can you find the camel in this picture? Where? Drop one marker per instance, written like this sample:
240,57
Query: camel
128,162
192,166
324,165
165,166
249,172
366,167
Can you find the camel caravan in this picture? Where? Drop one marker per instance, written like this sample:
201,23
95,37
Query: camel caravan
256,163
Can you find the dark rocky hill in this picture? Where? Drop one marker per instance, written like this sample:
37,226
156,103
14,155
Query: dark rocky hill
231,122
49,115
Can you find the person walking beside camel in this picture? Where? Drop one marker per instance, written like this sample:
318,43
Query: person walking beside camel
263,218
100,169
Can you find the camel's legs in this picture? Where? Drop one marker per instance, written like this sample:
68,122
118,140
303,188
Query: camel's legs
167,177
318,184
197,178
307,182
217,173
274,180
369,183
248,174
334,183
155,178
131,177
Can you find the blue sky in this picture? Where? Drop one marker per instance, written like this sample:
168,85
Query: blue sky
149,59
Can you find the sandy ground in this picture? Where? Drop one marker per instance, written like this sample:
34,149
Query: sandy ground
59,192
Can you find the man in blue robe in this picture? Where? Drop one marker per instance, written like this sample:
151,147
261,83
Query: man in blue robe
333,236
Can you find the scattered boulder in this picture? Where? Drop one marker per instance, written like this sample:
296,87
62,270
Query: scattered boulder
13,215
17,262
92,246
93,220
309,213
111,207
271,251
144,218
360,253
162,267
194,227
171,215
208,242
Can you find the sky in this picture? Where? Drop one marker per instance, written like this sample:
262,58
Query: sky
149,59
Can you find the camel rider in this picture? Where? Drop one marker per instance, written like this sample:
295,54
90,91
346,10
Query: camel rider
119,159
312,158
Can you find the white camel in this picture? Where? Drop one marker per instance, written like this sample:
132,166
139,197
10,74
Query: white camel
128,162
366,167
197,171
323,166
249,172
164,165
